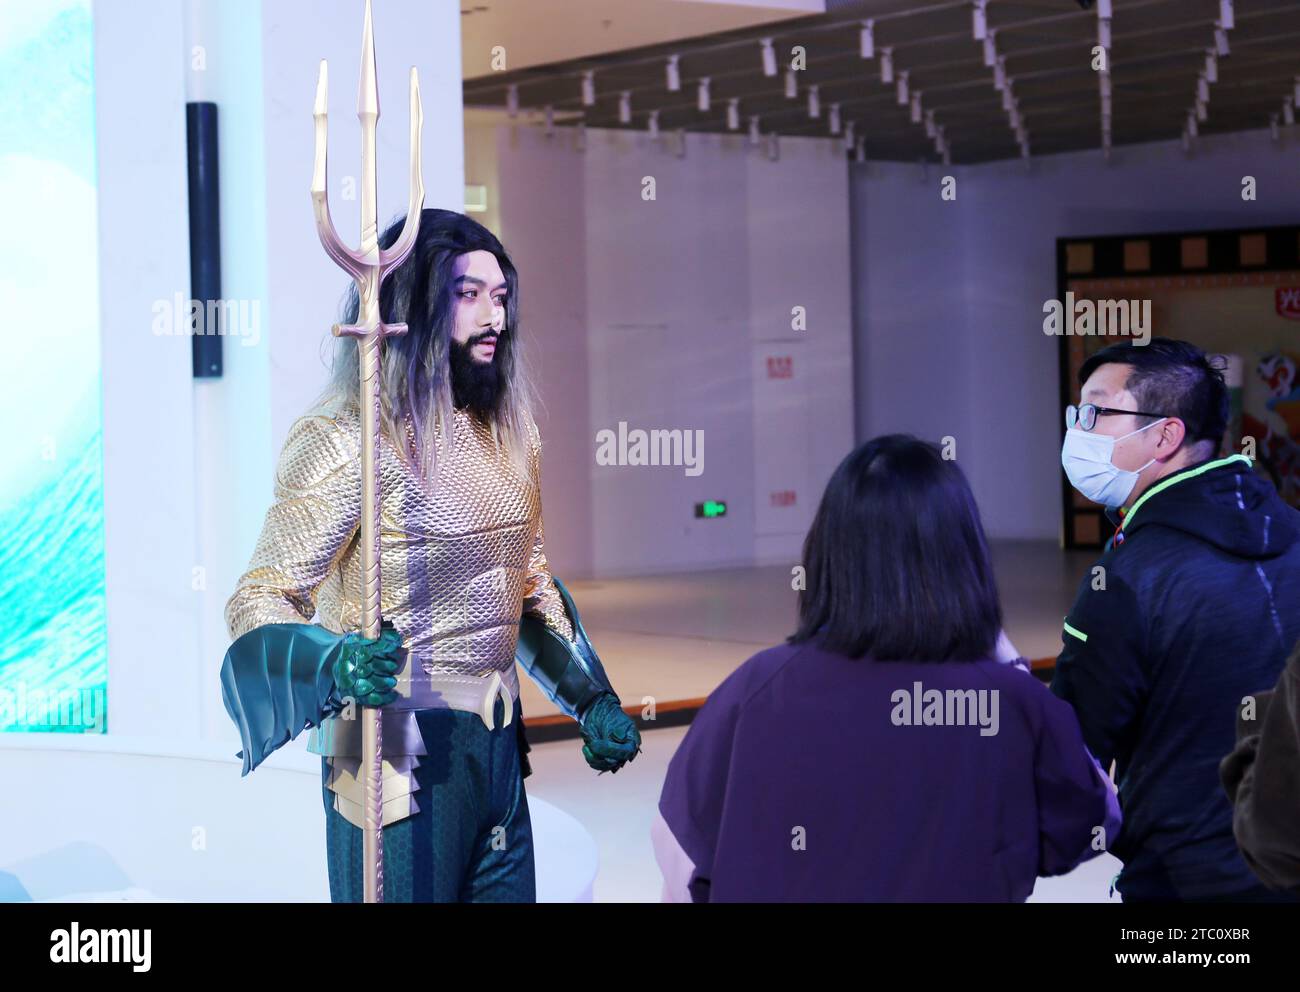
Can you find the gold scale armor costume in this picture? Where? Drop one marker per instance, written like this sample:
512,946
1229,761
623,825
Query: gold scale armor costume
457,561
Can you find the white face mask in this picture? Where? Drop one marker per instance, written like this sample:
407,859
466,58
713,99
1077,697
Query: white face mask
1085,456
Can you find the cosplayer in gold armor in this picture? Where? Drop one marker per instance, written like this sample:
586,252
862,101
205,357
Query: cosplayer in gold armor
466,591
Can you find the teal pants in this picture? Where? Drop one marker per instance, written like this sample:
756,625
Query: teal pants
471,841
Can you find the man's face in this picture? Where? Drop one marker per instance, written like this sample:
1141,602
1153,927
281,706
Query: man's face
1105,387
479,315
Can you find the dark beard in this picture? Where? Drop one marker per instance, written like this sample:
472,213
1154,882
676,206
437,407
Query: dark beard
475,385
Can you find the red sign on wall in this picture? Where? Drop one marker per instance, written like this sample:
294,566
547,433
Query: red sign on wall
784,497
1287,299
780,367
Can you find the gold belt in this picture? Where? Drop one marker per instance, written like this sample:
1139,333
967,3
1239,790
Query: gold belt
339,740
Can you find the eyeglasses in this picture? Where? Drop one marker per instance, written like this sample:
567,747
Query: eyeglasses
1085,417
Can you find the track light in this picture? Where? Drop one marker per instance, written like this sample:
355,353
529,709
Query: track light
867,39
1103,34
653,124
1221,39
791,84
930,129
733,114
625,107
980,20
753,130
916,107
512,100
887,65
702,95
1104,10
902,89
1226,16
1202,89
1105,86
814,103
835,118
1201,112
674,74
1000,73
848,136
769,57
588,87
990,50
1212,65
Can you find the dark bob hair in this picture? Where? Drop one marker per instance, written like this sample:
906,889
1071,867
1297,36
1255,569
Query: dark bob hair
897,564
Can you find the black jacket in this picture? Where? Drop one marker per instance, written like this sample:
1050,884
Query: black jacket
1193,606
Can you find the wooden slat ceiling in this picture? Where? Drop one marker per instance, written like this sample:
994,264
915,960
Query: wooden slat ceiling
1158,49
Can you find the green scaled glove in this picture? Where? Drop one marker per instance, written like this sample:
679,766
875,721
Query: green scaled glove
365,667
610,738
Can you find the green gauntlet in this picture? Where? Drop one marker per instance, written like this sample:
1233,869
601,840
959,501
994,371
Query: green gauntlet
610,738
365,668
281,678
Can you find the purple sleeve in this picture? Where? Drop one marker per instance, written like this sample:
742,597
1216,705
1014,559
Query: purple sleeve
695,786
1078,811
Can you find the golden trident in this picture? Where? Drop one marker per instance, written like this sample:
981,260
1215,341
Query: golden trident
369,266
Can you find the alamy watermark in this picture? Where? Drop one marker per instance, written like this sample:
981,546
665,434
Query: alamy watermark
921,707
70,708
227,317
651,447
1098,318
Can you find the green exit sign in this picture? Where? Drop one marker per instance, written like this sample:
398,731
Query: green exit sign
711,508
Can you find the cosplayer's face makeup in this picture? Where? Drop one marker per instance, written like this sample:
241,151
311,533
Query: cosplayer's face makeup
479,288
1106,387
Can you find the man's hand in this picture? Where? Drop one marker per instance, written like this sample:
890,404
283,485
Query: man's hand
365,667
610,738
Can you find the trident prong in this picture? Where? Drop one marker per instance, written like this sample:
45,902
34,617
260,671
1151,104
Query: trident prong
368,266
390,257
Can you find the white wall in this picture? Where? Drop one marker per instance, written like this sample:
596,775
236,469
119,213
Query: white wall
188,466
154,671
948,312
660,313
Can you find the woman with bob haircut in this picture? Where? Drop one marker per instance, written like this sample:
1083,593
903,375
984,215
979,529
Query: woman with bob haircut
894,748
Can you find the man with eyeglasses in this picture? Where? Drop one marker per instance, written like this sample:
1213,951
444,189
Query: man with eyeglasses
1193,606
